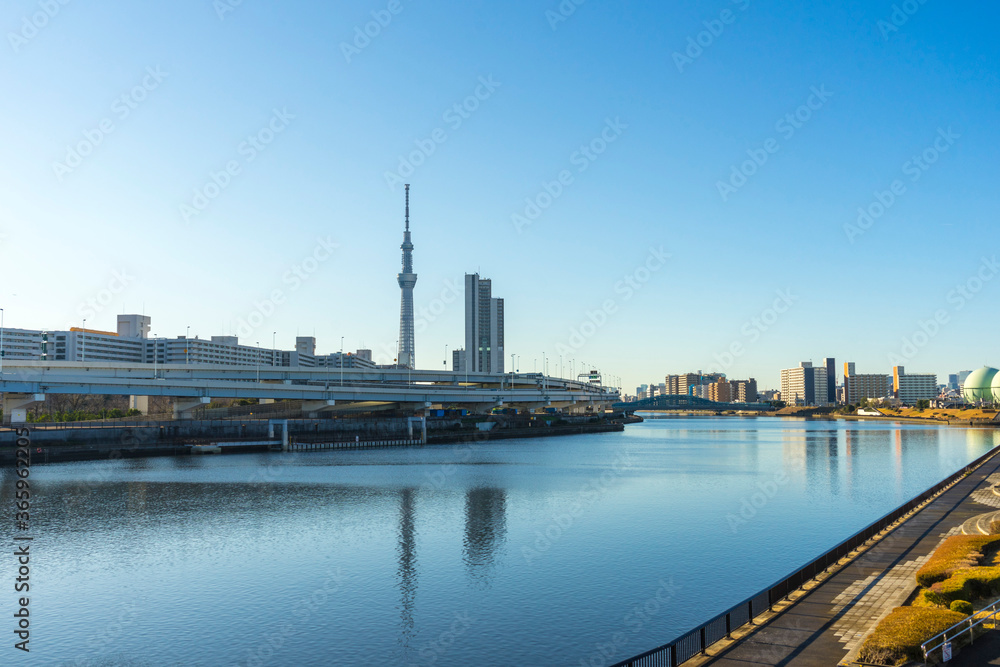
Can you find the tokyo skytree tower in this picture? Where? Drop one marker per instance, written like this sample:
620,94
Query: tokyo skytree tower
407,279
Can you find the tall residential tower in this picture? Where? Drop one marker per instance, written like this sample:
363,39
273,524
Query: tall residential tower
483,326
407,279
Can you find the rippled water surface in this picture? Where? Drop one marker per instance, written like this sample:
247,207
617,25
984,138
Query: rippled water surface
520,552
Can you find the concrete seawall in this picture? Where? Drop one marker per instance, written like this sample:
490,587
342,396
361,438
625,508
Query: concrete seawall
52,444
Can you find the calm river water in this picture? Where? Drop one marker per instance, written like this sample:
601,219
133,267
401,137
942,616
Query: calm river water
519,552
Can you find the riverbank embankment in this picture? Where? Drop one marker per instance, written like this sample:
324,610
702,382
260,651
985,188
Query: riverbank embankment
53,443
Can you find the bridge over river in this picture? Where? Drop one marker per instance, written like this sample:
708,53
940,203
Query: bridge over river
688,404
321,390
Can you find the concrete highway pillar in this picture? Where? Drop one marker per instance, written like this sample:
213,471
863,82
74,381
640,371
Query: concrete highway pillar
184,406
313,408
15,407
140,403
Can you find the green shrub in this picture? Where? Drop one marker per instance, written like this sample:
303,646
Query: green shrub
897,639
957,552
962,607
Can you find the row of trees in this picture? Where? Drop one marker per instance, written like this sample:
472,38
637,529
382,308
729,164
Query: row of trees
80,415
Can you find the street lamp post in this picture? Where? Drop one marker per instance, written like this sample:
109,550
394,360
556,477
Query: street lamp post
341,361
273,348
154,355
83,342
512,376
544,369
2,353
258,362
446,357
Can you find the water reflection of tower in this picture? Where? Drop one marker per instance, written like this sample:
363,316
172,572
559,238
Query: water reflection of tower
485,531
407,564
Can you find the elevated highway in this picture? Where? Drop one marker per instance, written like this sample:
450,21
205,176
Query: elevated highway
325,390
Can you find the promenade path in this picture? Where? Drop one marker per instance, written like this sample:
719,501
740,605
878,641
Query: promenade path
824,626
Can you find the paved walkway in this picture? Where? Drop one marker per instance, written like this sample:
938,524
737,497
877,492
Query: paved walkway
986,651
824,627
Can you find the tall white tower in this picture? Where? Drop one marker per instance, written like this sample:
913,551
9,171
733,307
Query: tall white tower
407,279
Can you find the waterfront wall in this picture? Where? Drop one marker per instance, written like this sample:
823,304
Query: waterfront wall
119,440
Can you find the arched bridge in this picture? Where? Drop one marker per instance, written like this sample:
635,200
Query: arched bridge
681,402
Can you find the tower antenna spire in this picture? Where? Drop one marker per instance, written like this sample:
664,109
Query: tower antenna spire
407,279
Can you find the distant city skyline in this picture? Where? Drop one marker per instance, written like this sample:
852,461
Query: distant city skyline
828,194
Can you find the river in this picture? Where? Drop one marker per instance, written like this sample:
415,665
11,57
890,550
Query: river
549,551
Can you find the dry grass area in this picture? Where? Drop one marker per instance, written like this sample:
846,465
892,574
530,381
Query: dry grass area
898,637
951,414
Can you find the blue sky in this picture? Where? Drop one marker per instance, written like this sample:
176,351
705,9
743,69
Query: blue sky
109,232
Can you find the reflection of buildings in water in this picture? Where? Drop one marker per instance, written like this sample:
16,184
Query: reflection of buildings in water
821,459
407,564
832,442
136,503
485,531
916,446
850,447
897,458
793,451
749,447
978,441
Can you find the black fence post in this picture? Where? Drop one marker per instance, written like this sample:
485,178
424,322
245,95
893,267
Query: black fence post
673,655
729,626
750,611
704,642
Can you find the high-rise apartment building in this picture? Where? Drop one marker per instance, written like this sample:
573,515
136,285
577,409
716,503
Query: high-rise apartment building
743,391
805,385
961,378
483,326
720,392
910,388
679,385
858,388
831,378
682,385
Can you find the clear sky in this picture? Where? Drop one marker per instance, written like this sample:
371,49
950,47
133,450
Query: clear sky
116,116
